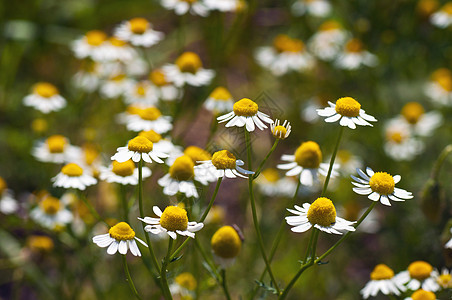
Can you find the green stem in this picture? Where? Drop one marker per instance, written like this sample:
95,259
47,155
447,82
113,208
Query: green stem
125,205
333,157
91,209
129,278
208,261
292,282
266,158
308,249
439,162
165,287
224,284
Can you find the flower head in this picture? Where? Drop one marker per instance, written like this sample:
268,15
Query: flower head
181,7
51,213
223,163
180,178
219,101
226,244
382,280
119,238
139,148
73,176
45,97
138,32
123,172
188,69
56,149
422,295
419,274
280,131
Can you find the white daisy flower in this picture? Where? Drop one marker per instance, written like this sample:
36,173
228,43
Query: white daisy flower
223,164
123,173
149,118
354,56
88,78
444,279
119,238
56,149
443,17
115,49
164,89
222,5
309,109
90,45
219,101
45,97
226,244
348,112
181,7
159,143
327,43
116,86
400,144
173,220
380,186
382,280
321,214
141,92
316,8
422,295
184,285
8,204
73,176
188,69
245,112
280,131
138,32
419,276
180,178
348,162
307,163
51,212
439,89
139,148
286,55
272,185
421,123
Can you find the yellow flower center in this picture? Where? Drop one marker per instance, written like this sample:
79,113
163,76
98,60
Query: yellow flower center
50,205
189,62
186,280
427,7
117,42
150,113
395,136
40,243
39,125
72,170
348,107
382,183
223,160
322,212
271,175
279,132
189,1
443,77
139,25
354,46
45,89
284,43
420,270
221,94
423,295
95,37
140,89
330,25
56,143
140,144
381,272
245,108
445,280
90,152
158,78
197,154
123,169
412,112
226,242
118,78
344,156
122,232
151,135
182,168
308,155
133,109
447,8
3,185
174,218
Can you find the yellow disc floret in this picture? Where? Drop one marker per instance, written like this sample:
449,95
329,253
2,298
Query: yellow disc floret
56,143
140,89
284,43
158,77
186,280
382,183
381,272
123,169
72,170
447,8
197,154
39,125
40,243
224,160
117,42
330,25
150,113
189,62
45,89
445,280
140,144
50,205
279,132
245,107
151,135
138,25
122,232
423,295
226,242
182,169
412,112
354,46
271,175
420,270
221,94
3,185
347,106
308,155
395,136
322,212
174,218
95,37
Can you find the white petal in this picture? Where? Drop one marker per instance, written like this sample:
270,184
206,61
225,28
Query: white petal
122,248
113,248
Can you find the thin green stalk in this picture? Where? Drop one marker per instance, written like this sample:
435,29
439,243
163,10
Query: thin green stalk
129,278
308,249
91,209
314,244
439,162
208,261
333,157
292,282
225,285
255,220
166,260
125,205
265,159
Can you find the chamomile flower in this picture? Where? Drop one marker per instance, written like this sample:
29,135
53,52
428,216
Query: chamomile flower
123,173
8,204
280,131
88,77
219,101
348,112
56,149
223,5
180,178
443,17
309,109
115,86
225,164
40,243
181,7
354,56
328,41
422,295
226,244
245,113
119,238
164,89
439,89
159,143
271,184
421,123
184,285
188,69
316,8
115,49
90,45
382,280
73,176
348,162
149,118
286,54
173,220
444,279
419,275
307,163
51,212
321,214
400,143
380,186
138,32
139,148
141,92
45,97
